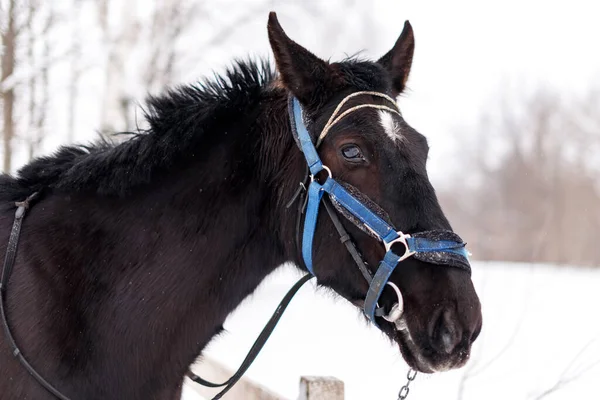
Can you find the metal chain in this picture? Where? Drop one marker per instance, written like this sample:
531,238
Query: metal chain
410,376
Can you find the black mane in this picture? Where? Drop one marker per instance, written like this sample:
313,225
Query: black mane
179,122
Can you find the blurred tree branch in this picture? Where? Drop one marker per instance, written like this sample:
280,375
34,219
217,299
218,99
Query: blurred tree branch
569,375
537,197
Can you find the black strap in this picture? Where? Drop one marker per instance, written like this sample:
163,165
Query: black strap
258,344
351,247
9,262
347,241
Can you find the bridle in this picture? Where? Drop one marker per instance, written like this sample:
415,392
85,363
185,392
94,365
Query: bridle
448,248
426,242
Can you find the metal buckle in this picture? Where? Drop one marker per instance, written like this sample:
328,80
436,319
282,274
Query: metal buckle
326,168
401,239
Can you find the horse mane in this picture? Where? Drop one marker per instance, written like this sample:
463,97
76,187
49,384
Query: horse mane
179,121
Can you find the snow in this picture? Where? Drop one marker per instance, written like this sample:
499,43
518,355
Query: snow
539,324
189,394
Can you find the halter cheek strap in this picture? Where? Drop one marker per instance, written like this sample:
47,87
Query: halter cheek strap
315,194
436,247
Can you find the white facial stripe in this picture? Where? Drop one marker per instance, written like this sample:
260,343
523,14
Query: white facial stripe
390,127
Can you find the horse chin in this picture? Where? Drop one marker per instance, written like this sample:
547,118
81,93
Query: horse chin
414,354
415,358
411,353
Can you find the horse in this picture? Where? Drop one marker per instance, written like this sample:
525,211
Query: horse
133,254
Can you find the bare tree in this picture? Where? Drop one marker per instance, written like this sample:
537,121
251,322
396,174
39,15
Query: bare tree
118,40
31,61
170,19
26,38
38,86
9,38
44,100
75,69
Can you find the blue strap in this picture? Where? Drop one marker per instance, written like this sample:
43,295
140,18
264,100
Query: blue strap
310,152
384,230
423,245
386,267
315,193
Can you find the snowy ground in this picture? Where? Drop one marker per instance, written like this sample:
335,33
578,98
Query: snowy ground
541,324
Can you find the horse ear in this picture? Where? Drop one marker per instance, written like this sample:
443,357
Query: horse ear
399,59
304,74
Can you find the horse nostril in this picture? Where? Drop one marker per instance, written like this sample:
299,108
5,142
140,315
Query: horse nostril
445,334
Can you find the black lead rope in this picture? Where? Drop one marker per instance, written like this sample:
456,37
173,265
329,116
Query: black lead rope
9,262
258,344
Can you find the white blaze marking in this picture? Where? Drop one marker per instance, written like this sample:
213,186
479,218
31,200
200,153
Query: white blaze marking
390,127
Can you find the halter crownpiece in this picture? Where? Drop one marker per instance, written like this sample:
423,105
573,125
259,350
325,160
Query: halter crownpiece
439,247
335,118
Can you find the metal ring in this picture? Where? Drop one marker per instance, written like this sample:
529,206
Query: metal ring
397,308
326,168
396,289
400,239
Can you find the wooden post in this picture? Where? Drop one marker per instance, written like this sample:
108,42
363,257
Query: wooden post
321,388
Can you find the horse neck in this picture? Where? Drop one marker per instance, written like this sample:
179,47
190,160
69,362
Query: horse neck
182,253
222,227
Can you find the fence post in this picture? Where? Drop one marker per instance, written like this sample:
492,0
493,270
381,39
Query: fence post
321,388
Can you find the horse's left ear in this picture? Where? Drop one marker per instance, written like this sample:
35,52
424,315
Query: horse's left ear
305,75
399,59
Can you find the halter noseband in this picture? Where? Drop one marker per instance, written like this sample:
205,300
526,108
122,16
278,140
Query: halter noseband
436,247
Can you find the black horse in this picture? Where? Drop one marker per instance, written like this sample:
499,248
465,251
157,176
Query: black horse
134,254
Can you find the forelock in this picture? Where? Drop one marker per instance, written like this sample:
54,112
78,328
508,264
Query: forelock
364,75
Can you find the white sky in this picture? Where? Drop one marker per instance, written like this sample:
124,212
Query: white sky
467,52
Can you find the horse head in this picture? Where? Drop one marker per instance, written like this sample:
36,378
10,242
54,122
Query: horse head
377,159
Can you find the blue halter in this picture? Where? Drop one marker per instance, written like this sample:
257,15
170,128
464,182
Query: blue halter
371,221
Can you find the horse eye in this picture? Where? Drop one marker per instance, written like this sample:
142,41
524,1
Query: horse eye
352,153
